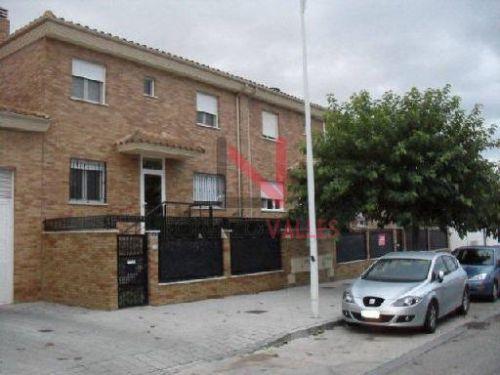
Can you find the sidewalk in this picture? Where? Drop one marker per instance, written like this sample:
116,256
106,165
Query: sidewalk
43,338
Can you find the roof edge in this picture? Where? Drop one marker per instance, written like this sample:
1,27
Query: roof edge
50,26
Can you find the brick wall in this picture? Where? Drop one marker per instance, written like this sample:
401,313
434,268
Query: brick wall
351,269
296,260
38,78
22,152
22,77
78,131
295,271
192,290
80,268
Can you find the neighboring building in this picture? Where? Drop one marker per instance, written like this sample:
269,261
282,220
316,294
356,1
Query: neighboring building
478,238
92,124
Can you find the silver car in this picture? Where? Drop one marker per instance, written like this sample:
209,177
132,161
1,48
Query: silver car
407,289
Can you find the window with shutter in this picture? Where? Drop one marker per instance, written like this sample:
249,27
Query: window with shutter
88,81
269,125
272,196
206,110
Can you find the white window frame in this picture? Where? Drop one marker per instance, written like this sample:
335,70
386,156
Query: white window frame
103,186
153,87
86,79
223,180
214,112
142,191
274,115
264,198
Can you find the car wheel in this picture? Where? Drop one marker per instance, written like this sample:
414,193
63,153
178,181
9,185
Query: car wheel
431,318
494,294
464,307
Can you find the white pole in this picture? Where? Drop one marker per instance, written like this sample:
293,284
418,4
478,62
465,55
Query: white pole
313,244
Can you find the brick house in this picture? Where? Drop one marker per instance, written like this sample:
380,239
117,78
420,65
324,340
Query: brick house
94,125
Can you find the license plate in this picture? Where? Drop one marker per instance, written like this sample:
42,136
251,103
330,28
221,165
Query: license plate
370,314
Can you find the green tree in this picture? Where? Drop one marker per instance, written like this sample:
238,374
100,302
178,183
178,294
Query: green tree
415,160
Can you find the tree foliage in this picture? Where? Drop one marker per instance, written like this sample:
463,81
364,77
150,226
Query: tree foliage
415,160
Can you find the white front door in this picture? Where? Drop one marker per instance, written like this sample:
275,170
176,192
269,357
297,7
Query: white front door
6,237
152,188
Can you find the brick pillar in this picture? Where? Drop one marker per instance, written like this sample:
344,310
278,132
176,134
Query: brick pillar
226,252
152,267
286,257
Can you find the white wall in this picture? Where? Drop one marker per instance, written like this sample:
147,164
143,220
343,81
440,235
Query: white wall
472,238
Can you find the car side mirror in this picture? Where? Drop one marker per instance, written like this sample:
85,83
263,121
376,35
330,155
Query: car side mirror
440,276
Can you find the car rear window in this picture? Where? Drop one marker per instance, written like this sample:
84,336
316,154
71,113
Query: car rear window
475,257
398,270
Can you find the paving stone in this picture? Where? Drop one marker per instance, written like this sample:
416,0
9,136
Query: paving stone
118,342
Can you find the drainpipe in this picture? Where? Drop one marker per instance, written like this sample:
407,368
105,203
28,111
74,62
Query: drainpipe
250,182
249,91
238,146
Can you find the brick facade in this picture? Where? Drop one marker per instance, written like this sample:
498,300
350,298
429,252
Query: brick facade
80,269
22,153
37,77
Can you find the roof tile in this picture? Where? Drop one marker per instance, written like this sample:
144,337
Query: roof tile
20,111
141,136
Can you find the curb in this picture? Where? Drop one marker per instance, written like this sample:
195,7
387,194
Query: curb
392,365
301,333
265,344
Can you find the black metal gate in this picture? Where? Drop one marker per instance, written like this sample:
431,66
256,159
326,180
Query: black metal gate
132,270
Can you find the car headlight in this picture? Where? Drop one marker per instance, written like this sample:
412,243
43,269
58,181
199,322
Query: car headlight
408,301
347,297
478,277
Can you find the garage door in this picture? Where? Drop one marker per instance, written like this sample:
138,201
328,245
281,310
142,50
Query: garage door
6,236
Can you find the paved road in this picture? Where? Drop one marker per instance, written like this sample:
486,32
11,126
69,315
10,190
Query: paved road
473,349
202,337
346,350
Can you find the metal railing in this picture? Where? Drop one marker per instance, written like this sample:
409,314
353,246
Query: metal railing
88,222
100,222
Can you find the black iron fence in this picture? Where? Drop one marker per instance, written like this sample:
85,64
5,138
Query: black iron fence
89,222
428,239
351,247
438,239
255,246
420,243
189,248
362,245
381,242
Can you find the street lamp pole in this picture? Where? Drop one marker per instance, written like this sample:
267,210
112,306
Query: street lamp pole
313,244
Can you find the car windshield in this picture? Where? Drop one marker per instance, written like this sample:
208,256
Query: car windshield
398,270
475,257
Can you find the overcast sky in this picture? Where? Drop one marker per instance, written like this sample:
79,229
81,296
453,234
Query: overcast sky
353,45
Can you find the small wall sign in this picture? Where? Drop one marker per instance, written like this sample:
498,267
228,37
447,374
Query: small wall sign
381,239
